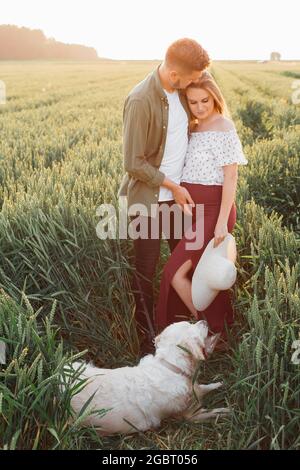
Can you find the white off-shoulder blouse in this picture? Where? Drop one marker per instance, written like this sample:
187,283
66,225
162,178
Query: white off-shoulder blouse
208,152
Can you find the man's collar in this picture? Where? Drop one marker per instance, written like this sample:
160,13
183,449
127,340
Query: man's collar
158,84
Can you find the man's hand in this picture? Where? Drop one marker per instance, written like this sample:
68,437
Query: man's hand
183,197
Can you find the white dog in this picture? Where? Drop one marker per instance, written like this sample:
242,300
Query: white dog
160,386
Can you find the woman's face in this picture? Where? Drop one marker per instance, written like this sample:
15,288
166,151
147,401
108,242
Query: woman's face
201,102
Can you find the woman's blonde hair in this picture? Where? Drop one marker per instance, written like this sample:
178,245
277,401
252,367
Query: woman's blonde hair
207,82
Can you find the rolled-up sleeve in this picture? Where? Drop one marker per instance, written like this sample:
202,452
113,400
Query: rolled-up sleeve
135,129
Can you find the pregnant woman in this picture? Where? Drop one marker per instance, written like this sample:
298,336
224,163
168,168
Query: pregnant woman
210,175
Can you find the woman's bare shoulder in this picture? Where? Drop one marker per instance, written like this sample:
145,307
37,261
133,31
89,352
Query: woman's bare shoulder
223,124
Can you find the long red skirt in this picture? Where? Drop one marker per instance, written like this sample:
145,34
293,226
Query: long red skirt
170,308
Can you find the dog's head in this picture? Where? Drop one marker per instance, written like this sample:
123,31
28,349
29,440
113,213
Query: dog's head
184,343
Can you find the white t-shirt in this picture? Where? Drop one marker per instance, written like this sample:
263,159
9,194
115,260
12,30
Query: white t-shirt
208,152
176,144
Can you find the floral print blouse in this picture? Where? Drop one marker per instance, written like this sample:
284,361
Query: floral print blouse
208,152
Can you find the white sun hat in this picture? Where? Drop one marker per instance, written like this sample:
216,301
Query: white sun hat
215,271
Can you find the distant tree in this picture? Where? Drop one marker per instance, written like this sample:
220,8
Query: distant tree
19,43
275,56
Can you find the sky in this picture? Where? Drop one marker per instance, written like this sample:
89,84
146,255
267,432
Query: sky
143,29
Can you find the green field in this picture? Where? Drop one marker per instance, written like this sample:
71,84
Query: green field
63,290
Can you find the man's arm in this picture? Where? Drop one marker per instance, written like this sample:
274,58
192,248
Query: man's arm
135,128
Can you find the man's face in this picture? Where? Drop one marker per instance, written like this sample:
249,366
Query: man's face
180,81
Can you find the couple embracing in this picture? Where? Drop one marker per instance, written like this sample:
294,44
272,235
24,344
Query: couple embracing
180,148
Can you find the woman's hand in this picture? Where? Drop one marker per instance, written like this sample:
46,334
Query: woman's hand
220,232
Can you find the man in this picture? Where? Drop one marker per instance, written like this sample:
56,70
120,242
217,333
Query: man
155,138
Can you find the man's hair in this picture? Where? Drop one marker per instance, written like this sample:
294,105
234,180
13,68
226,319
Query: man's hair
187,56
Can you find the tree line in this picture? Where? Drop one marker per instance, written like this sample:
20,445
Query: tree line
20,43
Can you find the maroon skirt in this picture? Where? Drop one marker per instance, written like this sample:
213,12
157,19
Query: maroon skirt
170,308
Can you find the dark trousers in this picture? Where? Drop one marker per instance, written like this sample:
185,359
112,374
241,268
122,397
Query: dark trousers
146,256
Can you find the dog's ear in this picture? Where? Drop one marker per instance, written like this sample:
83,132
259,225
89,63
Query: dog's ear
210,343
195,347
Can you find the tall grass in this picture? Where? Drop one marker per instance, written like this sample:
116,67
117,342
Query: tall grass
61,157
35,412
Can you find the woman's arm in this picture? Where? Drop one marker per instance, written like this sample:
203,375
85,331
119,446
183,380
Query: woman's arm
228,197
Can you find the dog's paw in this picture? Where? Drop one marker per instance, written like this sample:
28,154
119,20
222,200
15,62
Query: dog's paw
218,384
221,411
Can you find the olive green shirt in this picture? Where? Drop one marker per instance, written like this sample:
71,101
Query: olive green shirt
145,124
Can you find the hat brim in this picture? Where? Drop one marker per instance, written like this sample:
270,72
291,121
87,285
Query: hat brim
203,295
